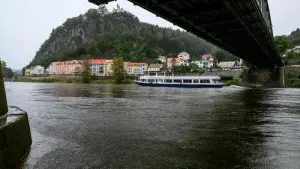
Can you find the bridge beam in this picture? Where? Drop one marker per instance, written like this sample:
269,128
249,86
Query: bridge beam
264,8
242,27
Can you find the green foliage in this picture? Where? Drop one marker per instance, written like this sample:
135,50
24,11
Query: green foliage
7,72
287,42
282,44
103,34
3,63
112,82
86,75
181,69
191,68
118,69
222,55
158,62
225,78
294,82
235,82
290,55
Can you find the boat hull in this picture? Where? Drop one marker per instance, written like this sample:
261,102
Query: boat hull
180,85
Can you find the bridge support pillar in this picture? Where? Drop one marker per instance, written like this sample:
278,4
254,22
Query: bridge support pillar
15,136
264,77
282,75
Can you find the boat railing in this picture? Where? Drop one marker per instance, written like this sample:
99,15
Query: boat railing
187,74
170,74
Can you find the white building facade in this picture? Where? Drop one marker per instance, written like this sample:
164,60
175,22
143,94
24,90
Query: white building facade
97,67
184,56
37,70
163,59
200,65
49,70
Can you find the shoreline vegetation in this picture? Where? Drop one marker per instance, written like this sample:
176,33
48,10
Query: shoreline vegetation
70,80
236,82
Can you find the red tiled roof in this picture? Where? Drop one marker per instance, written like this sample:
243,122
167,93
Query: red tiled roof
96,61
206,57
170,60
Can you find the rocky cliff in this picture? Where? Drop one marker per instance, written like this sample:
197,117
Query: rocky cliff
103,34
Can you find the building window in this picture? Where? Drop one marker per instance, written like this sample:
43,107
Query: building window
187,81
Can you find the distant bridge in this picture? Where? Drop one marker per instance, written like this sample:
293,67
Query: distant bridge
242,27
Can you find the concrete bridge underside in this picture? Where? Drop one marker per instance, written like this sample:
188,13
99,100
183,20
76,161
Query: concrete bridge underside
242,27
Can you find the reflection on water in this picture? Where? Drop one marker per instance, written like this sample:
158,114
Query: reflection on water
126,126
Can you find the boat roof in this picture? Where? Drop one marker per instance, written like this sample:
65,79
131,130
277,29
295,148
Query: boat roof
181,77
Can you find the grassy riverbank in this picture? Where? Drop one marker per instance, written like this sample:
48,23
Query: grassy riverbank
69,80
235,82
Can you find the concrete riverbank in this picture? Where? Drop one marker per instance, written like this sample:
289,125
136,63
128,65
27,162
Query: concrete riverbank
15,136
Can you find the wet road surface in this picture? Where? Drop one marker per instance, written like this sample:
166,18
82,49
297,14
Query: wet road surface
129,127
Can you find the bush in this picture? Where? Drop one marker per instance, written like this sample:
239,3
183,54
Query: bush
224,78
69,80
297,85
119,78
128,81
235,82
93,77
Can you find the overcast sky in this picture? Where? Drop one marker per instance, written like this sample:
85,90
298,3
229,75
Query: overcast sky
25,25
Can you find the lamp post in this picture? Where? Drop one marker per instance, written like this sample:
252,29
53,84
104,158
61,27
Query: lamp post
3,101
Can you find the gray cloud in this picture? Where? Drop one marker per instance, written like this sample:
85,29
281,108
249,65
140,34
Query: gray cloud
25,25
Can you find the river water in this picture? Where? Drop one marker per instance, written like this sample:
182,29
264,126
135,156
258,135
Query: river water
126,126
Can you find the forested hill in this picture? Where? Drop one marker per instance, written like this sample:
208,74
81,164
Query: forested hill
102,34
285,42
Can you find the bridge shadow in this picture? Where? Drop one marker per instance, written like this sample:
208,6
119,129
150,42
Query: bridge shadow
232,139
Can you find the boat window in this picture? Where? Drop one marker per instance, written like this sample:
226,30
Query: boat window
177,81
196,81
216,81
168,81
150,80
204,81
152,74
159,80
143,80
187,81
160,74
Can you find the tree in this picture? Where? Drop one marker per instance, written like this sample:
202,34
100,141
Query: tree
158,62
118,69
7,72
181,69
282,44
100,33
103,10
214,51
86,75
290,55
194,67
3,63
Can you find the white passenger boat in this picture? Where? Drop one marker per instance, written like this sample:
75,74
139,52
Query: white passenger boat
162,79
